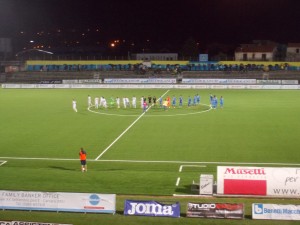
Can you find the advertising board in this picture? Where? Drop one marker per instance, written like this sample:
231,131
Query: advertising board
215,210
151,208
140,81
218,81
275,212
28,223
264,181
58,201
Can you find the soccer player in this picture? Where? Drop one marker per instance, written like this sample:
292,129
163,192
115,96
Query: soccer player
112,102
89,101
195,100
127,102
144,106
189,101
221,102
124,103
198,99
215,102
118,102
160,102
82,156
211,99
154,100
173,101
142,101
169,101
134,102
104,103
97,102
165,104
180,100
149,100
101,101
74,104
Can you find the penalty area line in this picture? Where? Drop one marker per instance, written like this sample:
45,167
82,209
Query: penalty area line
124,132
2,163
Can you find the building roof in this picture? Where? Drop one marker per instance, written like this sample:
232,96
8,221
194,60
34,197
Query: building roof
293,45
255,48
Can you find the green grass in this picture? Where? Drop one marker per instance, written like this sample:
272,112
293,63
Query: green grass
255,126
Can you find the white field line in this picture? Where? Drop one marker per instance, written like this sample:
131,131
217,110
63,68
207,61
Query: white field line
181,167
145,161
2,163
108,147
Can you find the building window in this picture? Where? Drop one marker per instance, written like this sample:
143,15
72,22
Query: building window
297,50
245,58
253,56
264,57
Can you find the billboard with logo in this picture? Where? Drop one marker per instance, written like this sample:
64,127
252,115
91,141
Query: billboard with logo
151,208
275,212
58,201
215,210
263,181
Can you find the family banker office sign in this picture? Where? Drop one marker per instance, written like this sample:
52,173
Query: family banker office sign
263,181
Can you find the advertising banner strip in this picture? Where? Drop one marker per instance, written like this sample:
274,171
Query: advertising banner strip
263,181
275,212
140,81
218,81
28,223
58,201
151,208
215,210
154,86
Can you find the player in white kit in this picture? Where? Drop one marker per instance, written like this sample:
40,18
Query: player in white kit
134,102
89,101
118,102
74,104
124,103
96,102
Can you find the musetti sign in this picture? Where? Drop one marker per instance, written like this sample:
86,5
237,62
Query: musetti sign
264,181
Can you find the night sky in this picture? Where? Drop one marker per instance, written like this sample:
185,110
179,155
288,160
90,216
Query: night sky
159,22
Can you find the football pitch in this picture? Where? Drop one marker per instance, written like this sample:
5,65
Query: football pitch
134,153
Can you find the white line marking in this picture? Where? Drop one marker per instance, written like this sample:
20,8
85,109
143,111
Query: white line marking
2,163
105,150
181,167
145,161
177,182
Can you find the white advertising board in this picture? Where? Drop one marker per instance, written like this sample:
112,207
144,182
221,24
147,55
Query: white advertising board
154,86
218,81
140,81
58,201
206,184
263,181
275,212
28,223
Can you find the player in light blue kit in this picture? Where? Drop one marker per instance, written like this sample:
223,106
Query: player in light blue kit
198,99
173,101
221,102
215,102
195,100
